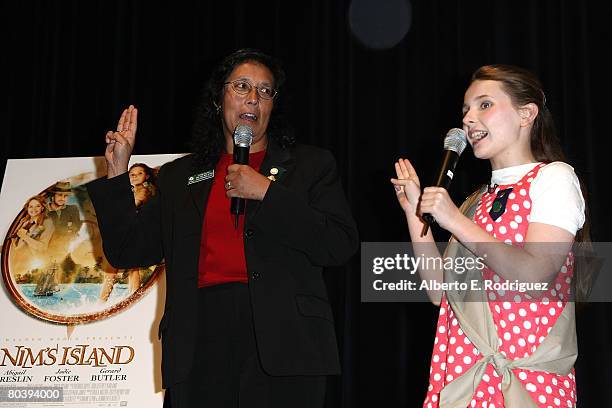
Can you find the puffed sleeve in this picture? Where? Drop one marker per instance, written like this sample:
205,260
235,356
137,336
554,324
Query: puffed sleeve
556,198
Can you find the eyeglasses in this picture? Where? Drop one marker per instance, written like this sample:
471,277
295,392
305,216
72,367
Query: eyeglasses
243,87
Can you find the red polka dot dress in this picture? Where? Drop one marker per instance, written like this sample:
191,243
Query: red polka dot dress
521,323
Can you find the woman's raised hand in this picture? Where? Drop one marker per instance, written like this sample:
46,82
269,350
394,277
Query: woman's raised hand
119,144
407,186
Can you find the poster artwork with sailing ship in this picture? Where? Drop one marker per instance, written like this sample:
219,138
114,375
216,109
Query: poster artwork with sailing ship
53,264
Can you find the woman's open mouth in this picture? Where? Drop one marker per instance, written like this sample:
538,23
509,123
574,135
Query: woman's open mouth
250,117
478,135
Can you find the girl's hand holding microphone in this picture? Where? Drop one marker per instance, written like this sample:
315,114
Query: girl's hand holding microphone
433,200
436,202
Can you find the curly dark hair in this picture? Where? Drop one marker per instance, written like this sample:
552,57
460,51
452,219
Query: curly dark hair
207,139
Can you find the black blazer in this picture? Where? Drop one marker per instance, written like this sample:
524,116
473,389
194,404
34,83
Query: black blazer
302,225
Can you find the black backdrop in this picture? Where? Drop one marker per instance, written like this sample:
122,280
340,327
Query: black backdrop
69,67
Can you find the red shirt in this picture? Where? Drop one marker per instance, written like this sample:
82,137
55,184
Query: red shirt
222,247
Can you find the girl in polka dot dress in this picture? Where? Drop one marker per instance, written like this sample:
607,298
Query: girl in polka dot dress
534,197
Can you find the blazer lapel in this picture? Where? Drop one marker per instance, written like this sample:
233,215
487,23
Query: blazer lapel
276,157
199,195
199,185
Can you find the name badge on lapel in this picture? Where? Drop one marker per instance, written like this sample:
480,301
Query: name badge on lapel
196,178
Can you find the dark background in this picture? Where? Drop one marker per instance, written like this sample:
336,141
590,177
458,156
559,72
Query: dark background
70,67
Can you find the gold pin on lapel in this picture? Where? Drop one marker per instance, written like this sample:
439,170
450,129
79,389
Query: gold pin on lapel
273,173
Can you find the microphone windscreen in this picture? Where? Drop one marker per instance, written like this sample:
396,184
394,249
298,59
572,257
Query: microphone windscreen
243,136
455,141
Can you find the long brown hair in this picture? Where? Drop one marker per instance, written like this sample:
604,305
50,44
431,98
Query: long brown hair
523,87
43,213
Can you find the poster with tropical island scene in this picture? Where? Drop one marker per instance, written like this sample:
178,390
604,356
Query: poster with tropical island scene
70,320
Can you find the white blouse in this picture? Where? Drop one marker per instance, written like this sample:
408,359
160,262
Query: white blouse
555,194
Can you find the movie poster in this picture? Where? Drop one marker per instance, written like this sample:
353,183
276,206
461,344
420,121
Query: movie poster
74,330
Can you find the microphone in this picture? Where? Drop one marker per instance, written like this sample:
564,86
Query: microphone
454,144
243,137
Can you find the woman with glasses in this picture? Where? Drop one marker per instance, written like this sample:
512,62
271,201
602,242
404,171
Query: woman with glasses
247,320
